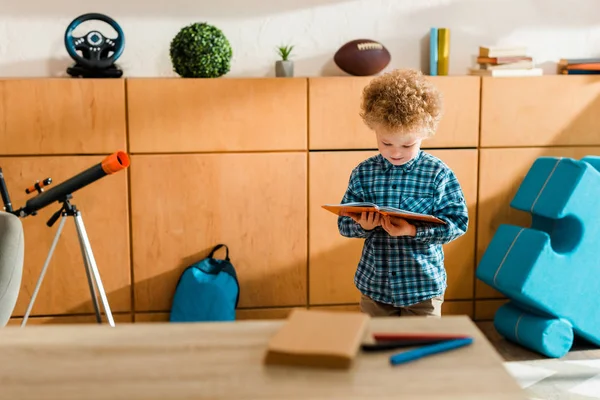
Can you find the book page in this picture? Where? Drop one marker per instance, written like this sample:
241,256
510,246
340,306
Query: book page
338,209
398,210
355,204
410,216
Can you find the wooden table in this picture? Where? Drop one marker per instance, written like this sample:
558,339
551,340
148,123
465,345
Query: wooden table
224,361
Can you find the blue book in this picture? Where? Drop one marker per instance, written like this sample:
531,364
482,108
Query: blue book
582,72
433,51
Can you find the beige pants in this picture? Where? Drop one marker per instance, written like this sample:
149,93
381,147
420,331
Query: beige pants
428,308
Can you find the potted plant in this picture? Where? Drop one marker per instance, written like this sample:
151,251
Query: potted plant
285,66
200,50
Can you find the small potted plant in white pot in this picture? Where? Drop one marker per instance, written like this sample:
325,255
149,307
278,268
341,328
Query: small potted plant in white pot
285,66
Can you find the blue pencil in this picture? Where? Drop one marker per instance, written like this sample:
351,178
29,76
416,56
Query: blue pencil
425,351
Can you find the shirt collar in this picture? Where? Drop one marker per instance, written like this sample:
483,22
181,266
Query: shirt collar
386,165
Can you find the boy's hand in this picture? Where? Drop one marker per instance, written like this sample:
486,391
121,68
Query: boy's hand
367,221
398,226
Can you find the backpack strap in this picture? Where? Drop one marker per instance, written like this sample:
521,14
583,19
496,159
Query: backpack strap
227,267
210,256
217,247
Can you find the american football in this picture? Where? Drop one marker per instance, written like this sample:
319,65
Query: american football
362,57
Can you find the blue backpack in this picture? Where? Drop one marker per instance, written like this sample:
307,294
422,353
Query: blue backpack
207,291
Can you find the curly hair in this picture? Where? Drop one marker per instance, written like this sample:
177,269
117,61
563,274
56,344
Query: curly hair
402,101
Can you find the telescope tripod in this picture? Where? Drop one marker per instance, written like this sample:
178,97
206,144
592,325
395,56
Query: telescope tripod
91,269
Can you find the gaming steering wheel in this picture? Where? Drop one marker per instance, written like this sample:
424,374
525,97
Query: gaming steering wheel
94,46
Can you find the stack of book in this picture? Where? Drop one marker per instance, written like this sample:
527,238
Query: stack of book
579,66
505,61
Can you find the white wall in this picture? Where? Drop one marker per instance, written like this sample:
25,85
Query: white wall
31,32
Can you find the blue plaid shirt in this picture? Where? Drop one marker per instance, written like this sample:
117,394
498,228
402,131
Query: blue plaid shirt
405,270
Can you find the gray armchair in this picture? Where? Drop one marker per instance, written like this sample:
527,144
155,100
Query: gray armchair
12,246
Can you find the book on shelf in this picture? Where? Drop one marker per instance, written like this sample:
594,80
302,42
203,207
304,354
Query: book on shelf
439,51
360,207
518,64
572,61
579,66
502,51
433,51
505,61
509,72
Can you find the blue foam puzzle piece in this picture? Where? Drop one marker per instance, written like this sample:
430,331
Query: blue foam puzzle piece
551,270
546,335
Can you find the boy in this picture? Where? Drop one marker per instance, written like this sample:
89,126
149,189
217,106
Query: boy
401,270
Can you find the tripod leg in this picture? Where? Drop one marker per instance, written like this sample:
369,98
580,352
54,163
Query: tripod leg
44,269
88,272
94,268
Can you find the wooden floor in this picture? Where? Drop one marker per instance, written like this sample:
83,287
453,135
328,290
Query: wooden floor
576,376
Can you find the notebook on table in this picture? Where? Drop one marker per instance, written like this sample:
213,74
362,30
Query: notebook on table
317,338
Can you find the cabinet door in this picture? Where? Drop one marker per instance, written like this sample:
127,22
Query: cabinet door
333,258
62,116
552,110
104,208
184,205
335,123
216,115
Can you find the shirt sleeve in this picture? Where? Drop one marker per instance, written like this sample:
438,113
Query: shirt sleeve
450,206
354,193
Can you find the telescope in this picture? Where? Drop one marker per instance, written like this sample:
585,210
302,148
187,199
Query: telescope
63,193
109,165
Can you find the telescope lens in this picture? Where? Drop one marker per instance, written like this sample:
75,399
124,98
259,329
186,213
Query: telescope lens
115,162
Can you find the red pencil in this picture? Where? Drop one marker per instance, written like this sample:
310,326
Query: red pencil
390,336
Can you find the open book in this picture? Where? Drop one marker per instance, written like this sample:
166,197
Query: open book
391,211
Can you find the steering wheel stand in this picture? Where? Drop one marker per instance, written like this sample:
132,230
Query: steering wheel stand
79,71
94,61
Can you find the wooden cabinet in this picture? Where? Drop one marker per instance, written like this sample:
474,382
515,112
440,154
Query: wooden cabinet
249,162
